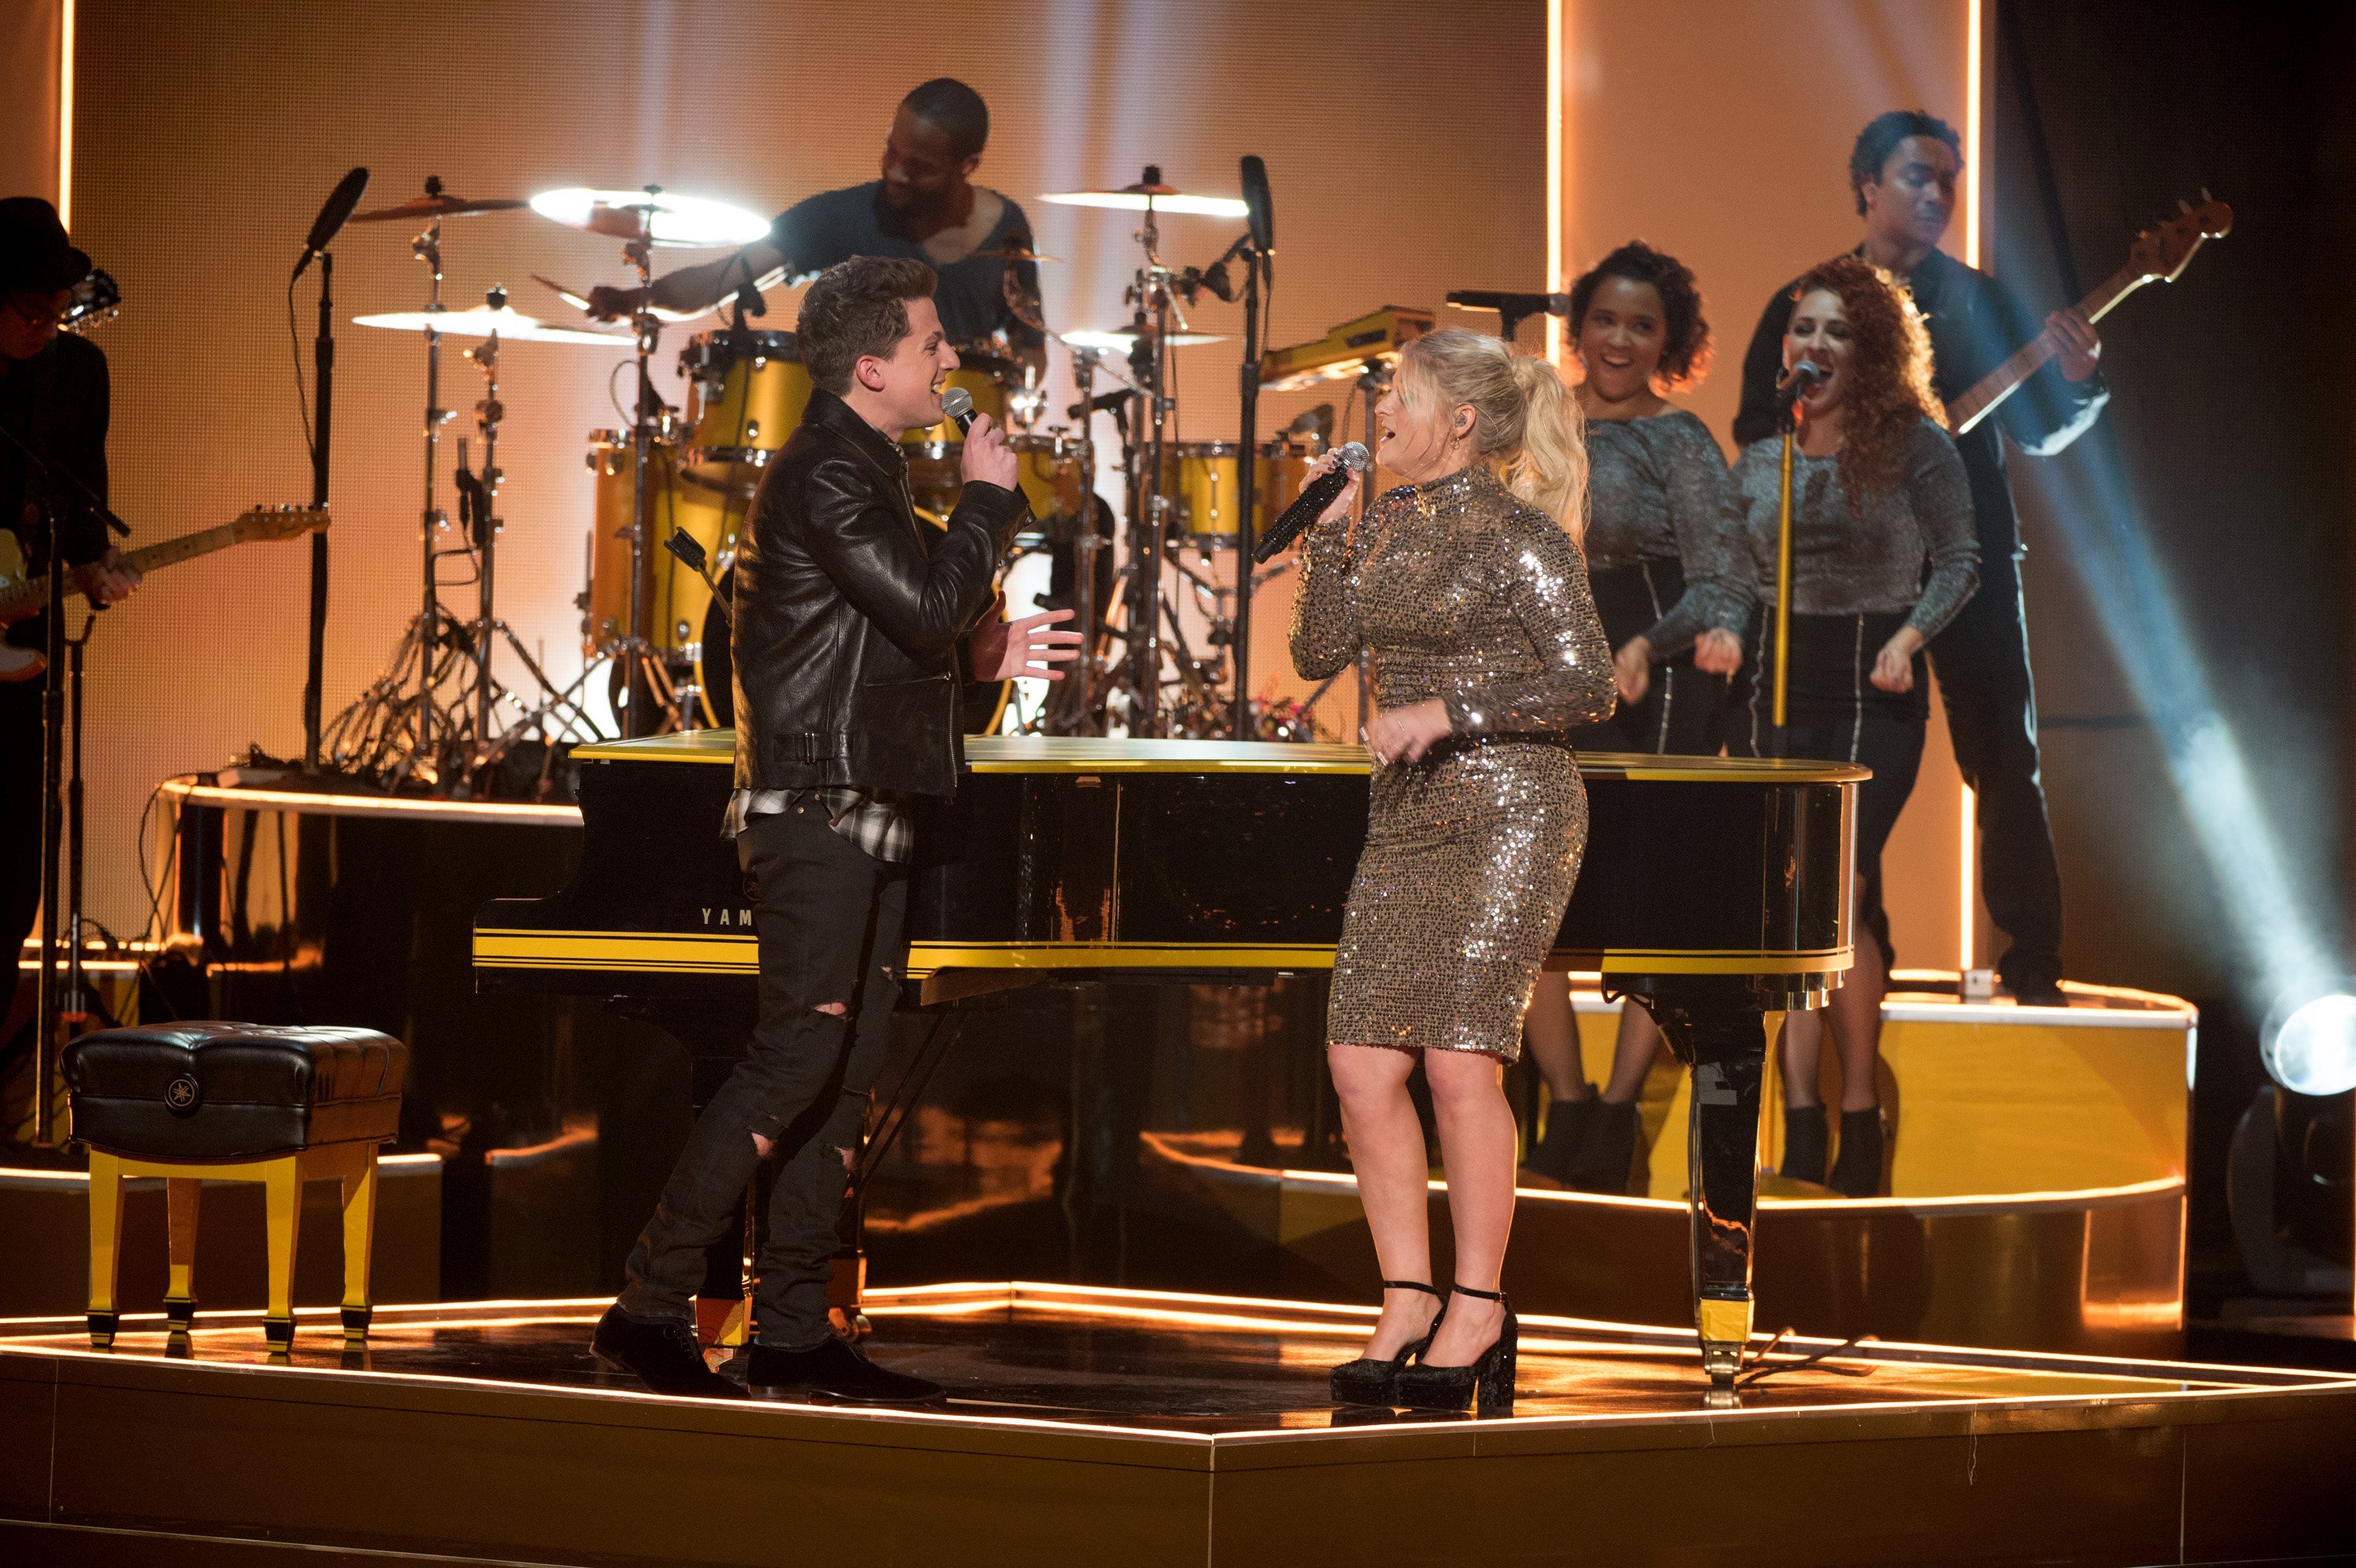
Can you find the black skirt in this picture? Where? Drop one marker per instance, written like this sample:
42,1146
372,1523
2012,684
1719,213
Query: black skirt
1681,710
1834,714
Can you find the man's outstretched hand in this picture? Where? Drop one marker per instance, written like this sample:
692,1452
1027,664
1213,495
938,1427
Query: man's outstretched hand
1031,648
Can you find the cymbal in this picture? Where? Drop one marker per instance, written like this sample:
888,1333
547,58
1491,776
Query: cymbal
1160,197
1013,253
1122,342
425,208
512,324
659,217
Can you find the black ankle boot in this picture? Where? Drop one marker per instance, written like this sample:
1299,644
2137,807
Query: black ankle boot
663,1356
834,1368
1807,1141
1858,1172
1372,1381
1486,1386
1567,1124
1603,1162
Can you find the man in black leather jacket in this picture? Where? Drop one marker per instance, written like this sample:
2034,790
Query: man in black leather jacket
1903,172
848,635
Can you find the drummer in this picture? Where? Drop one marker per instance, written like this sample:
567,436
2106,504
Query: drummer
925,208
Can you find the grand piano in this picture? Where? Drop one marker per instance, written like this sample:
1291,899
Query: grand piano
1714,891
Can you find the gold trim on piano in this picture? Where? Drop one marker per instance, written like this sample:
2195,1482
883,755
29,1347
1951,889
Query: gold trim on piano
1085,754
699,952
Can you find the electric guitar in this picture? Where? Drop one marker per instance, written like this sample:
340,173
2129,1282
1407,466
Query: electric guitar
2159,255
21,595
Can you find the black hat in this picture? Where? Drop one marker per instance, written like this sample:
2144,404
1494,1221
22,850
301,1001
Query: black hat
36,257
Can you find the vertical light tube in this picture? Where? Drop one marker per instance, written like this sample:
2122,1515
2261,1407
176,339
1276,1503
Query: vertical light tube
1555,163
65,112
1975,190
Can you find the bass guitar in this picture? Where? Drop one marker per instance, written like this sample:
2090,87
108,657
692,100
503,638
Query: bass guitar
2158,256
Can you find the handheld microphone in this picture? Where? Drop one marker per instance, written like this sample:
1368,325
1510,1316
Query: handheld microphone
333,214
958,404
1315,496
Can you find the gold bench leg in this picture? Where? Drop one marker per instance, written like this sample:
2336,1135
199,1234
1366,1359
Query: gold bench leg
283,1201
181,1195
359,1237
105,1244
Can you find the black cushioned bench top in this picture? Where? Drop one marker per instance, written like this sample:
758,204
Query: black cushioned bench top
230,1091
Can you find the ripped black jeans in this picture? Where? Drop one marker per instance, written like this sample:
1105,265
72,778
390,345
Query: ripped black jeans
829,918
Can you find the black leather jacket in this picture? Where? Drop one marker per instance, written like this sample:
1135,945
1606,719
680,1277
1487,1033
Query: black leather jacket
846,626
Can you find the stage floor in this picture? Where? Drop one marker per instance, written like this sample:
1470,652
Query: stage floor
1207,1365
1088,1424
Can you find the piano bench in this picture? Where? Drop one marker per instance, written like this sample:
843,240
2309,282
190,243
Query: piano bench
194,1102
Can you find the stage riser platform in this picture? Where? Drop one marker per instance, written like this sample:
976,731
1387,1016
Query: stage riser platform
133,1459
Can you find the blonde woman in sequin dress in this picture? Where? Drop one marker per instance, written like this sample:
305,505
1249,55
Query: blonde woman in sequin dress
1467,588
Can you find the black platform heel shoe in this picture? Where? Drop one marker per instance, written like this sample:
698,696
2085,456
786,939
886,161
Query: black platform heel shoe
1486,1386
1566,1121
1370,1380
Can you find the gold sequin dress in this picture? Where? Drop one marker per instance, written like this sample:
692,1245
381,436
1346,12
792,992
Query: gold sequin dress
1462,592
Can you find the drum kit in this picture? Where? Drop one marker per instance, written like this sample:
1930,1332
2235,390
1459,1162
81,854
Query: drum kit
672,491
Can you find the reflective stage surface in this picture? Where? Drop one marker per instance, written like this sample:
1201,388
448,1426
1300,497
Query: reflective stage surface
1087,1423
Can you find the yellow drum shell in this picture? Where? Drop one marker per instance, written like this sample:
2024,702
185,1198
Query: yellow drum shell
1050,466
745,394
1200,479
676,597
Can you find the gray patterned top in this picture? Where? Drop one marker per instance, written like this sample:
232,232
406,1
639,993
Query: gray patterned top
1842,565
1657,489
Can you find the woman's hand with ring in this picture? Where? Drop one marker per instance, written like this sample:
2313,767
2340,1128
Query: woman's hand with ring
1405,734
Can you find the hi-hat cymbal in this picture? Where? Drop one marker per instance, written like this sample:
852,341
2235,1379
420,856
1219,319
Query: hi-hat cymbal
425,208
1122,342
512,324
1160,197
659,217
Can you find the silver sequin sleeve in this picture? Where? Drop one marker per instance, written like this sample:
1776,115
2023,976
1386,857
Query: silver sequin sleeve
1656,488
1558,672
1325,632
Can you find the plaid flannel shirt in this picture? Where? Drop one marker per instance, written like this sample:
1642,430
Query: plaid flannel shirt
878,824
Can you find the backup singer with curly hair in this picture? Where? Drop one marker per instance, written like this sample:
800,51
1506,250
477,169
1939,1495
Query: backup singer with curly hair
1664,554
1882,558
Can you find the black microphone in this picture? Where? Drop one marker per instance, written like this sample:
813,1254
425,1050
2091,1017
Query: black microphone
333,214
958,404
1314,498
1260,215
1794,384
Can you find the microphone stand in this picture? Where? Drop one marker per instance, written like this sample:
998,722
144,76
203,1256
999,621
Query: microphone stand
47,1008
322,362
1784,573
1246,488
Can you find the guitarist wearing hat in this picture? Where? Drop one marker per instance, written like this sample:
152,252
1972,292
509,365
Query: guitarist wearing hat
1904,171
54,399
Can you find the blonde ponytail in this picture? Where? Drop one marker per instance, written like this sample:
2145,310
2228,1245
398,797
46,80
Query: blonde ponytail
1549,471
1530,428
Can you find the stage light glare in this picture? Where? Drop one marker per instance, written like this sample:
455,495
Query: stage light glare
2309,1044
669,219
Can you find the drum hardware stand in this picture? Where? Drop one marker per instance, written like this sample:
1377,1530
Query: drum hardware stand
1153,297
427,248
641,669
478,500
1074,703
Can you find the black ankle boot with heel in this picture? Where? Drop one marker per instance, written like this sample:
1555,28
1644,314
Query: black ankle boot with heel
1856,1173
1486,1386
1566,1137
1371,1380
1807,1143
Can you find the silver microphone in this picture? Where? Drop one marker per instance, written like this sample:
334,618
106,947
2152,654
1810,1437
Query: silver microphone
1352,457
958,404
